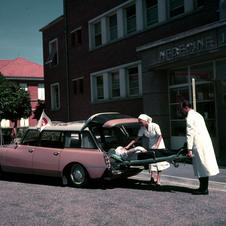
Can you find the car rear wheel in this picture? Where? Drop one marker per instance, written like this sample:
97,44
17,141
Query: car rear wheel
78,176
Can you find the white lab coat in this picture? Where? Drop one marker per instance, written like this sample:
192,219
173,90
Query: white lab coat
199,141
153,134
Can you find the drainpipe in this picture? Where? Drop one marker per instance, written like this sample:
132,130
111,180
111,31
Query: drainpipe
66,55
1,130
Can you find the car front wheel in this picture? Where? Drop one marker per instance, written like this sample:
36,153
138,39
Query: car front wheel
78,176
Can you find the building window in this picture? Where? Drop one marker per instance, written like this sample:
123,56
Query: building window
135,15
180,88
41,92
24,122
23,85
78,86
133,81
76,37
151,12
122,82
176,7
53,53
98,38
199,3
131,19
113,27
115,85
100,87
5,123
55,96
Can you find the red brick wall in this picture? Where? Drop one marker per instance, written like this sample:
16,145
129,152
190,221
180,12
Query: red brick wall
82,62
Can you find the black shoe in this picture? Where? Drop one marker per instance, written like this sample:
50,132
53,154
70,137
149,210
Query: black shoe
199,192
152,182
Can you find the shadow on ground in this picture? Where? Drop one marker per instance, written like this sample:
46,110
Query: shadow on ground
95,184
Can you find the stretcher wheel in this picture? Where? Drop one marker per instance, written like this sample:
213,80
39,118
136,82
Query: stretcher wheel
176,164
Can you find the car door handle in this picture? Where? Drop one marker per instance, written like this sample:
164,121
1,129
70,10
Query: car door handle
56,153
30,150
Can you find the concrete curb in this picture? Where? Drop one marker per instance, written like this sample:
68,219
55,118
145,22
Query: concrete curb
166,179
193,182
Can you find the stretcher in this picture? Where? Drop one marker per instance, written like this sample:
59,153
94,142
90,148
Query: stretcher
171,156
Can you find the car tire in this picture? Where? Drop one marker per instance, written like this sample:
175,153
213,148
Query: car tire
78,176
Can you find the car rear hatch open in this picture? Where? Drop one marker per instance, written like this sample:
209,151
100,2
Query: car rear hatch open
109,120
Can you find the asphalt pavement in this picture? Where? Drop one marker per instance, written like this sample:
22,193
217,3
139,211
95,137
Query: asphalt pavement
184,174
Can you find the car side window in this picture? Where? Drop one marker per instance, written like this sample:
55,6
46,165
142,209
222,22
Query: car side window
87,140
79,140
52,139
72,140
31,138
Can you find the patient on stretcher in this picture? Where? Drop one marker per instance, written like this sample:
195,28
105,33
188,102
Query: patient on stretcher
137,153
131,154
140,153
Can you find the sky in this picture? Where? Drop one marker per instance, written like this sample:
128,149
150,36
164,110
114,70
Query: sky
21,21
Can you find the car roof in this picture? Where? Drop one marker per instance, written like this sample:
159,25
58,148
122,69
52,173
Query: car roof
105,119
72,126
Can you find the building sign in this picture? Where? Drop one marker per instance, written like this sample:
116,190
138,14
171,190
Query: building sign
190,47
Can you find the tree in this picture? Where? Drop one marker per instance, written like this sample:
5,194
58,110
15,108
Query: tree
39,109
14,101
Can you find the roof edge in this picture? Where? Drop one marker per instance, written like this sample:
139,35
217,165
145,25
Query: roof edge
51,23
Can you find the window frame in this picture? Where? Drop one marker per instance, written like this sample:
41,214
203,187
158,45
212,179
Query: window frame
176,8
41,91
107,84
5,123
129,82
112,89
99,87
55,97
24,122
149,24
53,58
76,37
77,83
97,35
23,86
112,28
163,10
130,18
199,100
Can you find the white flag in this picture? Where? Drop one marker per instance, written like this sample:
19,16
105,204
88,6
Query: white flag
43,121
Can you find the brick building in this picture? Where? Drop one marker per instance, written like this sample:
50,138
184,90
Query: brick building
138,56
28,75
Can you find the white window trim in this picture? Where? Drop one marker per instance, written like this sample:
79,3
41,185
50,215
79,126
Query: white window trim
79,28
110,84
41,91
5,123
24,122
163,15
53,97
123,82
50,49
23,86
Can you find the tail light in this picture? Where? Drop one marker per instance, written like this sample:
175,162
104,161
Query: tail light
107,160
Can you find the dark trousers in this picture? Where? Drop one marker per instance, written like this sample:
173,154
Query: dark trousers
204,181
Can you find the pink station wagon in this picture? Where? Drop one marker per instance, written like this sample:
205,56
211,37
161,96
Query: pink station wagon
77,151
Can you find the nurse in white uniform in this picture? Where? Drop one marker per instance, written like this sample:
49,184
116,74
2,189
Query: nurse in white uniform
153,132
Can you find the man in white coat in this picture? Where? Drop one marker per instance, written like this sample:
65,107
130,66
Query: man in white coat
200,147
